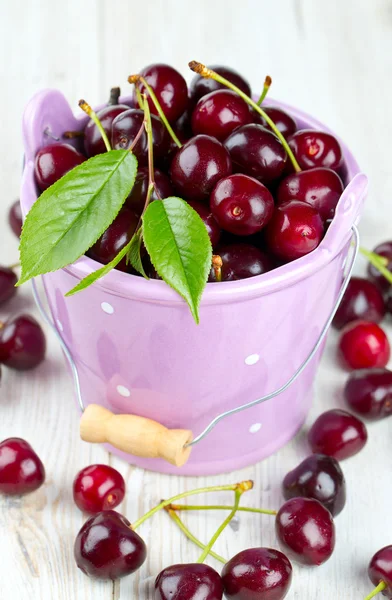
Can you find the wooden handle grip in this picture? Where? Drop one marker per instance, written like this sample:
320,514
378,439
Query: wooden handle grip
135,435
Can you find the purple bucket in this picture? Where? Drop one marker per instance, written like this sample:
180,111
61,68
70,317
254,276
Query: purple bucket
138,351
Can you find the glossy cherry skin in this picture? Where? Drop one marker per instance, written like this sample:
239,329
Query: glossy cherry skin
337,433
200,86
257,573
213,229
363,345
316,149
380,569
170,89
117,235
93,142
15,219
306,531
295,229
384,249
198,166
219,113
319,477
125,128
241,261
188,582
241,204
257,152
22,343
107,548
362,300
97,488
369,393
54,161
319,187
21,470
284,122
8,280
137,198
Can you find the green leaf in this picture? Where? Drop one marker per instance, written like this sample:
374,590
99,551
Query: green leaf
134,253
179,247
69,217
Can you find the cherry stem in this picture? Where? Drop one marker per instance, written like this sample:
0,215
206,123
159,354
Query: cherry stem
138,78
114,96
267,85
381,586
139,98
210,74
379,262
217,266
14,266
261,511
244,485
174,517
93,116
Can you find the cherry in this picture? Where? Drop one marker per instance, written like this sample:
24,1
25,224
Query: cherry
183,127
319,187
363,345
15,219
93,142
21,470
316,149
306,531
257,573
54,161
362,300
384,249
369,393
117,235
170,89
241,204
8,280
240,261
107,548
337,433
257,152
283,121
295,229
188,582
219,113
126,126
97,488
209,221
137,198
22,343
198,166
380,569
320,477
200,86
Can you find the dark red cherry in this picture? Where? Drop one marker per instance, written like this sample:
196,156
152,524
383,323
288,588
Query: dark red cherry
188,582
22,343
182,126
316,149
219,113
21,470
295,229
320,477
207,217
170,89
126,126
363,345
257,152
137,198
117,235
283,121
257,574
54,161
93,142
319,187
380,569
97,488
337,433
369,393
201,86
306,531
241,204
241,261
384,249
15,219
8,280
362,300
107,548
198,166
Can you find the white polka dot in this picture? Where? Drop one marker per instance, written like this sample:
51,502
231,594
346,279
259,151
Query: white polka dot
255,428
107,308
252,359
123,391
60,325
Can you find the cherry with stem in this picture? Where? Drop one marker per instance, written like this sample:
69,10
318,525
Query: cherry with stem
266,87
93,116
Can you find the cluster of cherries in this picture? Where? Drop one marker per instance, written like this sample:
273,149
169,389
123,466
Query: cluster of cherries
260,207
